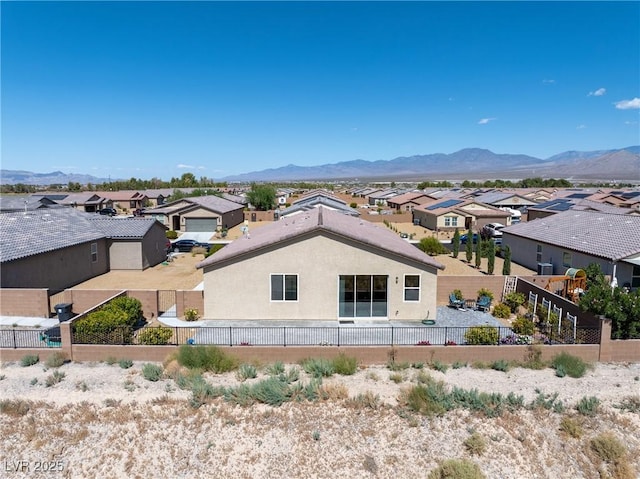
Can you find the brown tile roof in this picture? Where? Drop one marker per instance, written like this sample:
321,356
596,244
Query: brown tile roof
321,221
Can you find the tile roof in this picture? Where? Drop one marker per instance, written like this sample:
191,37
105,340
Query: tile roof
22,203
316,201
214,203
321,221
598,234
130,228
40,231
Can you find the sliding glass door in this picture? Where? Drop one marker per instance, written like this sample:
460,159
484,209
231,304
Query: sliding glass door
362,296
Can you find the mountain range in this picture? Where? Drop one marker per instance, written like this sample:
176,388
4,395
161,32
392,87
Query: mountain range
470,163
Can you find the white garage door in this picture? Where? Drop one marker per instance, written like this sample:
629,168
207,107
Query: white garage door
200,224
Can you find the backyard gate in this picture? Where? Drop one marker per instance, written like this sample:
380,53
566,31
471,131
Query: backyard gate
167,303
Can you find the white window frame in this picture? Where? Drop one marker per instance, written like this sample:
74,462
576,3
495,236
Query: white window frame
450,221
94,252
406,288
284,290
538,253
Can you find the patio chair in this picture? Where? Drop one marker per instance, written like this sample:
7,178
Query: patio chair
483,303
455,302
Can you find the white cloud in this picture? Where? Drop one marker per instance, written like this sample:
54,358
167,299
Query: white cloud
598,92
630,122
548,82
484,121
581,127
181,165
628,104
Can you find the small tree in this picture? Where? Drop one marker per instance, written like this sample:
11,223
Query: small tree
263,197
506,266
468,249
455,243
491,257
432,246
478,253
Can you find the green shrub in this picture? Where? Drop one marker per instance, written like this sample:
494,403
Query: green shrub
608,448
485,292
630,403
318,367
458,294
345,365
105,326
246,371
125,363
514,300
500,365
439,366
501,310
152,372
475,444
481,335
54,378
456,469
429,399
549,402
155,336
572,365
191,314
171,234
459,364
29,360
206,358
432,246
56,360
396,377
533,358
131,306
588,406
275,368
523,325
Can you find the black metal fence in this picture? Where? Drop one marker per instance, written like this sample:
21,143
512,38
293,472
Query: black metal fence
327,336
29,338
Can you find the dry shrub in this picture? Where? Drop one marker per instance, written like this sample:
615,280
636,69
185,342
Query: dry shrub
475,444
456,469
15,407
172,368
608,448
335,392
367,400
571,426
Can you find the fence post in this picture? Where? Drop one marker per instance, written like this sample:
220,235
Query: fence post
175,334
338,335
15,344
230,336
284,336
392,336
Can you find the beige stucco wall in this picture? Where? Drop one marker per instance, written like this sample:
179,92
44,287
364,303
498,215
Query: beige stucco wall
441,221
126,255
242,290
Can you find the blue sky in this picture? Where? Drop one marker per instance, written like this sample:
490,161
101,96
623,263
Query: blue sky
157,89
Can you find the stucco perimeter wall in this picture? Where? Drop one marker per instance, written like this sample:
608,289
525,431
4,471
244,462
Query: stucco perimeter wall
469,285
86,299
242,290
24,302
624,351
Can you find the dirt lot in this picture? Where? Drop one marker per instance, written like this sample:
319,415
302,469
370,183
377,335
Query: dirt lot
181,273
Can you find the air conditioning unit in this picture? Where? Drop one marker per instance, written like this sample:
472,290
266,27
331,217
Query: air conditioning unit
545,269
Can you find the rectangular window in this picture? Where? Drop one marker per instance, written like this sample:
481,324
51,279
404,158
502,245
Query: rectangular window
451,221
635,277
566,259
539,253
362,296
94,252
284,287
412,287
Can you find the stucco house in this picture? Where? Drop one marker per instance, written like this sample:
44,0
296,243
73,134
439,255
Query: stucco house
57,248
321,265
13,203
575,239
198,214
443,215
408,201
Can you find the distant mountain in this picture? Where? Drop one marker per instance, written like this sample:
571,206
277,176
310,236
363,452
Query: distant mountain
469,163
12,177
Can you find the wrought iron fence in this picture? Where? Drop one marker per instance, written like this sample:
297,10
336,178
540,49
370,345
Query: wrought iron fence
29,338
324,336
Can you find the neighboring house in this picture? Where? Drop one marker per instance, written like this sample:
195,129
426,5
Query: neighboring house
408,201
443,215
500,199
321,265
60,247
283,195
13,203
50,248
380,198
575,239
315,200
198,214
137,244
127,200
552,207
87,201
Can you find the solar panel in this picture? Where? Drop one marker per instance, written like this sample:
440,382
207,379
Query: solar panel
561,206
579,195
444,204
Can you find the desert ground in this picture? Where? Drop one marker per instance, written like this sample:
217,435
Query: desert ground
101,420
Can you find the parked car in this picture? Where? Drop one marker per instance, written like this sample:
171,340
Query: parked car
492,230
464,238
108,211
186,245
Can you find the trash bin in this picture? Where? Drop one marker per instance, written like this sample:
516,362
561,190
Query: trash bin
64,311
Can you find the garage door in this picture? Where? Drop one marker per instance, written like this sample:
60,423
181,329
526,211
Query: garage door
200,224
